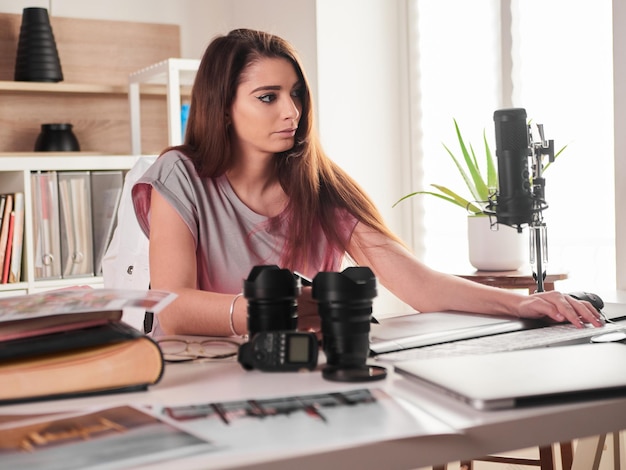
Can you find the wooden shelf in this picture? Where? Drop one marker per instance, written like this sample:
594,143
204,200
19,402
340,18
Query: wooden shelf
81,88
23,161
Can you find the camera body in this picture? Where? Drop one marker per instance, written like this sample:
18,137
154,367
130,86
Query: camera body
279,351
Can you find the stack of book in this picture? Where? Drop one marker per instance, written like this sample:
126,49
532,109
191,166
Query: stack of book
72,342
74,215
11,236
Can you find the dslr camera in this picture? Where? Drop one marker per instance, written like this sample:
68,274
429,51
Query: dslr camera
275,345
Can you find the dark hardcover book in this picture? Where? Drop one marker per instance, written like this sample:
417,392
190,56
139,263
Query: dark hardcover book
103,359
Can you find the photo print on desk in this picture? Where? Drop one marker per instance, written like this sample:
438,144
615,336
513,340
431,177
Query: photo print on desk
109,438
311,406
305,423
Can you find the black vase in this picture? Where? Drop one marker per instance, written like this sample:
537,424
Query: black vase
56,138
37,57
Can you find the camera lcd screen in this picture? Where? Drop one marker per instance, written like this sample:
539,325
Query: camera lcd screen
298,350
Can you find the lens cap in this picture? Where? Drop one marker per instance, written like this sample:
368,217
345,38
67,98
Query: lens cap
365,373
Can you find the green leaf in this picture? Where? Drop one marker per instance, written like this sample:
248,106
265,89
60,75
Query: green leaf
479,188
459,200
492,170
447,195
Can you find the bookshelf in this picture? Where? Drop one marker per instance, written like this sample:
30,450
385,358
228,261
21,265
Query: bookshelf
15,176
94,98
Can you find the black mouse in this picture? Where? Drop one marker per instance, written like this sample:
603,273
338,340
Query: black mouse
593,299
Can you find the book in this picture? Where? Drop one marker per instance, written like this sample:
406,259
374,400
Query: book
72,342
65,309
15,270
46,230
3,200
75,223
9,248
4,230
106,191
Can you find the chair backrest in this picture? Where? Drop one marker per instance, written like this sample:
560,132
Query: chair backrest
125,264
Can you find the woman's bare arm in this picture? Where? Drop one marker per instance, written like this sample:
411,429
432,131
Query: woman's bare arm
427,290
173,268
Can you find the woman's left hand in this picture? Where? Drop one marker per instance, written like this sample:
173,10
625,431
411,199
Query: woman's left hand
560,307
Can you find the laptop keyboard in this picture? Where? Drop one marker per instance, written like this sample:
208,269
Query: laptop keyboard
557,335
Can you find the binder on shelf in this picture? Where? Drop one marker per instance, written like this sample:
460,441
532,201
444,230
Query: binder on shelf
75,223
46,230
15,269
106,191
4,231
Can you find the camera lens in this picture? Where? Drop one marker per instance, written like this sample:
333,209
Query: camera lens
272,295
345,307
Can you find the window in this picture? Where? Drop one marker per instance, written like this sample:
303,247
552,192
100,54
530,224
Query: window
564,80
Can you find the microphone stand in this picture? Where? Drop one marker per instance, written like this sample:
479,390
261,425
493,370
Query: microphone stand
537,227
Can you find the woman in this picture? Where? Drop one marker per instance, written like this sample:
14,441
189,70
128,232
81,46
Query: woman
251,185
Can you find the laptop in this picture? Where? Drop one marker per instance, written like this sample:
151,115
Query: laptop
528,377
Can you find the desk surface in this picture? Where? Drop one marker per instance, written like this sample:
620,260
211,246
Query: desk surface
465,432
480,433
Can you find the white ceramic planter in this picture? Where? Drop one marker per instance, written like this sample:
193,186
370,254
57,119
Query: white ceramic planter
495,250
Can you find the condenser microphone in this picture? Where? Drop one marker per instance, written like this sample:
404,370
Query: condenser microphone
514,201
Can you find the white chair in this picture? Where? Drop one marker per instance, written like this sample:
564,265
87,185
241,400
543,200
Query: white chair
125,264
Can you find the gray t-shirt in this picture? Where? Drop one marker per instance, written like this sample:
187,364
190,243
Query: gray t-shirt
230,238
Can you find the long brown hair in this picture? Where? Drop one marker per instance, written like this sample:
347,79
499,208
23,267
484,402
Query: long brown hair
315,185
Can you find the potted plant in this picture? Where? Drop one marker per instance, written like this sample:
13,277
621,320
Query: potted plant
492,247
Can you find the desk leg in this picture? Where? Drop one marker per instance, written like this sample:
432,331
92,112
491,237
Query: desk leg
588,453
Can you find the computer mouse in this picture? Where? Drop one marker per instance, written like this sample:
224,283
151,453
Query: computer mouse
593,299
611,337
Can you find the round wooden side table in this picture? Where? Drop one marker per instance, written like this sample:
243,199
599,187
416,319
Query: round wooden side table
513,279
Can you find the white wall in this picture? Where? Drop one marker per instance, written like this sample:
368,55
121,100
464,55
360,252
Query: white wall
363,95
619,90
363,102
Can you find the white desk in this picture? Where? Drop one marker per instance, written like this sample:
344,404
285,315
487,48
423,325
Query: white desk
478,433
482,432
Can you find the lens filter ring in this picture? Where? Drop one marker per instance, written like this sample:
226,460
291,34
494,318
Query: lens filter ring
365,373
